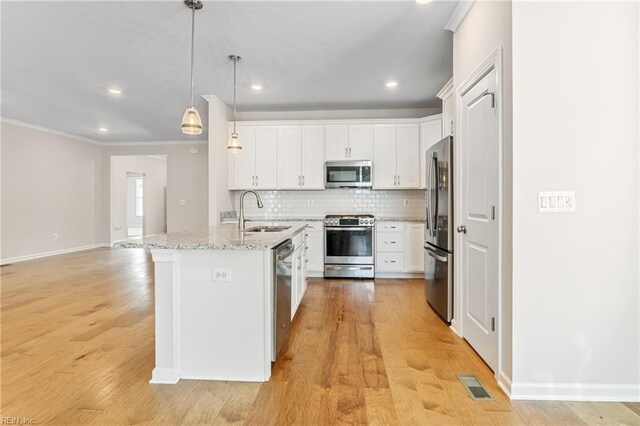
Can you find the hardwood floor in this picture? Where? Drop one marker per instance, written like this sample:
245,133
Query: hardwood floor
78,348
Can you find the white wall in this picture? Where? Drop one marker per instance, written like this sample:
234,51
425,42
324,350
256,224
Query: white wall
154,170
576,278
220,199
50,184
486,28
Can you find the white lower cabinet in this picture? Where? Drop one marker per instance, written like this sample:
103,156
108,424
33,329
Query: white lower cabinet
399,247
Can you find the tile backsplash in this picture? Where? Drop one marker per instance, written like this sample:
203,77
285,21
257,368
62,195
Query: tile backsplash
335,201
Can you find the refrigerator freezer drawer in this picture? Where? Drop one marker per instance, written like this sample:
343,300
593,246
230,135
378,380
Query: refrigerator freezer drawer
439,281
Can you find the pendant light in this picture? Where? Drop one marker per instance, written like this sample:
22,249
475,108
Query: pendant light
234,146
191,121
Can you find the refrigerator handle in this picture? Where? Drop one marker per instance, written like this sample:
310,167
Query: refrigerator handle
429,197
431,252
437,180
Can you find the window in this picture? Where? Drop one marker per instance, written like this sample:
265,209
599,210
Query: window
139,197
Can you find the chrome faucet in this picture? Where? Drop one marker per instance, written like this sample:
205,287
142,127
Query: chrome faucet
241,220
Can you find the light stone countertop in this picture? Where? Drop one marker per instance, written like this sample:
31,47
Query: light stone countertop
400,219
222,237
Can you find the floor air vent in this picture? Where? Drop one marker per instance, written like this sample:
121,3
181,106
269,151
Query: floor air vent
475,389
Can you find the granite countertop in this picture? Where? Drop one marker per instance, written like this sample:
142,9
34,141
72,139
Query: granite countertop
287,219
400,219
222,237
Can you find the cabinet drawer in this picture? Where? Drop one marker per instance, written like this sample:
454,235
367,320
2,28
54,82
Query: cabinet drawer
390,241
390,261
390,227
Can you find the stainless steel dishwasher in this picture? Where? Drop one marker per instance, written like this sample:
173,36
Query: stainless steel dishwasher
282,258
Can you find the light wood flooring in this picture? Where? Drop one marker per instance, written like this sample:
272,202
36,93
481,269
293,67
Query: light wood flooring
78,348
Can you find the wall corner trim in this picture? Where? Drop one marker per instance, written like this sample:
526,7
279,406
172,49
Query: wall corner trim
458,15
504,382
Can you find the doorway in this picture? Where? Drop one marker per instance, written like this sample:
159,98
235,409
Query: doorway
138,196
135,205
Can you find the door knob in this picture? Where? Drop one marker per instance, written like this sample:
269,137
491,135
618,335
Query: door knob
461,229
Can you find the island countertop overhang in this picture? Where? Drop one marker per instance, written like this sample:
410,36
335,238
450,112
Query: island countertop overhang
221,237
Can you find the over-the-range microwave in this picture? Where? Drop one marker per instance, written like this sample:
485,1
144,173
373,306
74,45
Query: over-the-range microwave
348,174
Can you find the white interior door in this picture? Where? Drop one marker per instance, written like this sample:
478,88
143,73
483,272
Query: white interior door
479,251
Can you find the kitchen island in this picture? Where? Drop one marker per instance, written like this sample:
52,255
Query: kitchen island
214,302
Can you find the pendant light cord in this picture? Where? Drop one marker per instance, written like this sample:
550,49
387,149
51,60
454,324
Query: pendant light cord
193,24
235,63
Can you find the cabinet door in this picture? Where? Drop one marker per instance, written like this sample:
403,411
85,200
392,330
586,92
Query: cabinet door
289,157
243,163
266,155
296,279
407,154
315,252
384,156
414,247
336,142
430,133
448,118
313,157
360,142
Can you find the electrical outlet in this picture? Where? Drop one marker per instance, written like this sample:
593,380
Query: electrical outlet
220,275
183,202
55,235
193,150
406,203
309,203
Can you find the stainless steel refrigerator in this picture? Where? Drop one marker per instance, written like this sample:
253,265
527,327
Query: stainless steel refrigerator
439,230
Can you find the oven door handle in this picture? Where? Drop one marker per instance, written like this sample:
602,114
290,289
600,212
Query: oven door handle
343,228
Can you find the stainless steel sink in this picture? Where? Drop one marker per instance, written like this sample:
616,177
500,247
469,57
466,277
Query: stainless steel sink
267,229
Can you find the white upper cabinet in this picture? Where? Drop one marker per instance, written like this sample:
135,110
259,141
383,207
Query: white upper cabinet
349,142
360,142
336,142
430,133
255,167
448,108
289,157
407,151
300,157
313,157
384,164
396,156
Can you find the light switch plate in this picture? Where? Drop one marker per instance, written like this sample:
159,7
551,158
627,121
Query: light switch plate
556,201
220,275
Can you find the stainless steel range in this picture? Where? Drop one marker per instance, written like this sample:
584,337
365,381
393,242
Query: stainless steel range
349,249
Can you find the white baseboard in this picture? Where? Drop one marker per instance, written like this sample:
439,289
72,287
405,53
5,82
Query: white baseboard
504,382
575,392
167,376
454,327
52,253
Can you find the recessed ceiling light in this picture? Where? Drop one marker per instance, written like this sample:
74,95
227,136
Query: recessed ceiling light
391,83
423,1
256,86
103,129
114,91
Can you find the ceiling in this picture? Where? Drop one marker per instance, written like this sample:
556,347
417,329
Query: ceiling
59,59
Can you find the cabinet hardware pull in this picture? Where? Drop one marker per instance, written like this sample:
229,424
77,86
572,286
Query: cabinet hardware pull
389,261
302,180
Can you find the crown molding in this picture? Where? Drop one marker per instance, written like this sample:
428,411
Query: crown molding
50,130
458,15
96,142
